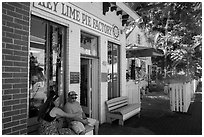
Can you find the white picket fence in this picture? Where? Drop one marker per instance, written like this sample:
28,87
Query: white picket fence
133,92
181,95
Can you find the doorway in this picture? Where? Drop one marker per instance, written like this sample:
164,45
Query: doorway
86,86
89,87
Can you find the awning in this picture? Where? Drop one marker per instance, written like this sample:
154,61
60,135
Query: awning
142,52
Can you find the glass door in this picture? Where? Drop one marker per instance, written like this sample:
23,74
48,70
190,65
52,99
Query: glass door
89,74
86,86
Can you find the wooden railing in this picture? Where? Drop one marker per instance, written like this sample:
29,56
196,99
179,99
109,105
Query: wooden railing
181,95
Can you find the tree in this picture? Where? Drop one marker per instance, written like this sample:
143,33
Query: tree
189,56
176,28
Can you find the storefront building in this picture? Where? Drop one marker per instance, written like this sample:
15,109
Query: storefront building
139,65
74,46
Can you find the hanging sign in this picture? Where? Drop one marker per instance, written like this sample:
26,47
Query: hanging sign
73,13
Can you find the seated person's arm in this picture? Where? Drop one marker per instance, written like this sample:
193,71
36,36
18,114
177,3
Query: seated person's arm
84,116
59,112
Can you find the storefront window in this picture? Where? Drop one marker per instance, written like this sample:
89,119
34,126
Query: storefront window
89,45
113,70
45,62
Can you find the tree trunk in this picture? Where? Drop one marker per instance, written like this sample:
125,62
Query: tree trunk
165,66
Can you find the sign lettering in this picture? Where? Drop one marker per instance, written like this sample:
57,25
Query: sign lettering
75,14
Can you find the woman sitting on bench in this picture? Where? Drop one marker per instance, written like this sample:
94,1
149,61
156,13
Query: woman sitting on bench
48,115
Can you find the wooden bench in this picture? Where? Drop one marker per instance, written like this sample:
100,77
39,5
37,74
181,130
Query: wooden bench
118,108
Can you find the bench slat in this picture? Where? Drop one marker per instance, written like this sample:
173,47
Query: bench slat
116,100
117,106
116,103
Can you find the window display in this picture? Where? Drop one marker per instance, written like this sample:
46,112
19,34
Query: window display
46,61
89,45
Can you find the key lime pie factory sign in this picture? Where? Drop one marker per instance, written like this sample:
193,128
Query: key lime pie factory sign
73,13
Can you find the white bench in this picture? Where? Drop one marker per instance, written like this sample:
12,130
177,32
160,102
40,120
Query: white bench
118,108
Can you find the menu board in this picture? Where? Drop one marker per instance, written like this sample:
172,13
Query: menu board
74,77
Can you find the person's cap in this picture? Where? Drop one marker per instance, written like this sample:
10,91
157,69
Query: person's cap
71,93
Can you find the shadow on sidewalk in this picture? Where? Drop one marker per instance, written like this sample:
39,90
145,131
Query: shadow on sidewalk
157,119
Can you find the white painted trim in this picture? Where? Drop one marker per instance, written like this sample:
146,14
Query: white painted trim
127,9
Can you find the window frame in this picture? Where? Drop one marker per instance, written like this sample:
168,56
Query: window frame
48,46
118,94
97,50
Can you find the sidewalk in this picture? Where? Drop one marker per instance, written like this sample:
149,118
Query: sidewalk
157,119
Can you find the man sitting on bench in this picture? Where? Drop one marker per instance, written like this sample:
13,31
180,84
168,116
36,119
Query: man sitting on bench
73,107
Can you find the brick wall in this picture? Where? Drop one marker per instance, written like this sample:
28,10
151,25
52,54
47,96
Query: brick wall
15,35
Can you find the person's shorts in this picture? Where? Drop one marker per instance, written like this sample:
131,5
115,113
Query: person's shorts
77,127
